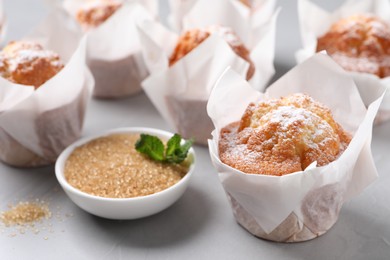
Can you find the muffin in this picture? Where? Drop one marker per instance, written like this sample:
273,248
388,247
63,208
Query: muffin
286,162
359,43
279,137
185,67
51,117
114,53
190,39
282,136
191,119
94,13
28,63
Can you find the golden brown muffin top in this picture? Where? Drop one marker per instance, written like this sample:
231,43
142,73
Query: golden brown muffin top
248,3
95,13
359,43
27,63
190,39
282,136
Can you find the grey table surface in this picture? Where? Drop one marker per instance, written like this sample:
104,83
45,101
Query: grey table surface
200,225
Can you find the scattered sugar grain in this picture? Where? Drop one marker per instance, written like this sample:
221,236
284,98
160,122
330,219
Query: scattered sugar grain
32,216
25,213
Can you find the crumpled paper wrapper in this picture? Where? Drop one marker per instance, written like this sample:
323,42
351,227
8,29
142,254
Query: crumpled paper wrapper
114,51
35,126
259,11
315,22
301,205
180,92
3,24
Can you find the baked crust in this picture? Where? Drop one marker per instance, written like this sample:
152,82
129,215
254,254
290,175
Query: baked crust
359,43
192,38
27,63
282,136
95,13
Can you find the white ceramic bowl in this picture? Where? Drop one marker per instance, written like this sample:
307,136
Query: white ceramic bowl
128,208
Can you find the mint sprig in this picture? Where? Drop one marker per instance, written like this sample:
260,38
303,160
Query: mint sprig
153,147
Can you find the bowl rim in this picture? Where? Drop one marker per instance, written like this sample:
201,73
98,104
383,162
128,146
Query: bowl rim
60,163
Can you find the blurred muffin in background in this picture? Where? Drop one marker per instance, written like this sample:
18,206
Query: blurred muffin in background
190,39
28,63
359,43
96,12
248,3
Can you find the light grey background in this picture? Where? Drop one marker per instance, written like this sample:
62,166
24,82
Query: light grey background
200,225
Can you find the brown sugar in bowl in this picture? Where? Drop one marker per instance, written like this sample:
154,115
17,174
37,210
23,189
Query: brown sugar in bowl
113,190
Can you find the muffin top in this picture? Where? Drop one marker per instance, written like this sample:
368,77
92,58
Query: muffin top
27,63
96,12
190,39
282,136
359,43
248,3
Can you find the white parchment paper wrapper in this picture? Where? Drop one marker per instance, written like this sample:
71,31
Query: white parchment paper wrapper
180,92
315,22
301,205
259,13
114,51
3,24
35,126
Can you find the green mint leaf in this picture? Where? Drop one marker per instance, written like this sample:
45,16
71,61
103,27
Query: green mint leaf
172,145
186,146
180,153
152,146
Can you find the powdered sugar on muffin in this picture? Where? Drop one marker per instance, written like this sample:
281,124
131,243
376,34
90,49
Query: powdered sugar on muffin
359,43
28,63
282,136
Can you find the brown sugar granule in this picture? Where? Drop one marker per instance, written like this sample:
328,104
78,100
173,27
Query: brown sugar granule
111,167
25,213
282,136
